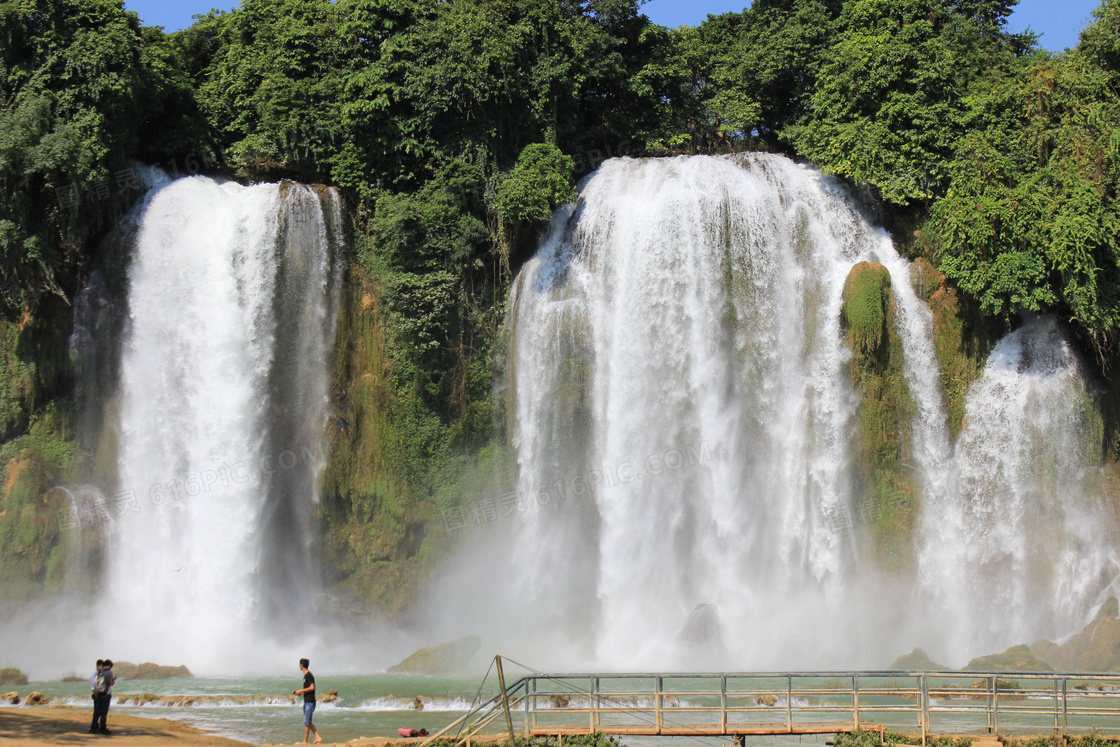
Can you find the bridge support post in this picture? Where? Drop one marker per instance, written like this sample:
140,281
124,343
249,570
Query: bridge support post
789,704
1065,706
995,704
1056,724
592,701
855,703
505,701
723,704
925,707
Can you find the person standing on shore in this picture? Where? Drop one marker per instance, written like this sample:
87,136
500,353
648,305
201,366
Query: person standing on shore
93,694
102,685
308,693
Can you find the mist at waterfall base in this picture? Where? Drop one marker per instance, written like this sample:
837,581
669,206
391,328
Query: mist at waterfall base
684,431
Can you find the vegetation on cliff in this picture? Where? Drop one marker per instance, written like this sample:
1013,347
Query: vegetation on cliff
884,414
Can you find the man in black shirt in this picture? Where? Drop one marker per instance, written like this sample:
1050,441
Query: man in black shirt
308,693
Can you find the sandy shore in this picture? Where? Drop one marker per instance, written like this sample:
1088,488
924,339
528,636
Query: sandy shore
53,725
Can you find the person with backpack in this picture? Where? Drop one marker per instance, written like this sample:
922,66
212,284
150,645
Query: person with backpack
96,671
102,685
93,693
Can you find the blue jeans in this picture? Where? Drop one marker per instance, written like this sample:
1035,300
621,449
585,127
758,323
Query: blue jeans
308,709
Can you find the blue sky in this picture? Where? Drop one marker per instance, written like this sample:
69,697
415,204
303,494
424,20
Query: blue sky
1059,21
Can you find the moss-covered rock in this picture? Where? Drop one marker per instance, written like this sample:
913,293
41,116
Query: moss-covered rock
368,522
886,491
12,676
32,515
391,476
34,362
925,278
866,302
1015,659
917,661
445,658
962,338
36,448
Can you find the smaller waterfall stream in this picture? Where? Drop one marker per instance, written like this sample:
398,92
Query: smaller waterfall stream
1016,541
223,398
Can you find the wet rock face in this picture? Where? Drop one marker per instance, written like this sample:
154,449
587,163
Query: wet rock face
445,658
36,698
702,627
1095,649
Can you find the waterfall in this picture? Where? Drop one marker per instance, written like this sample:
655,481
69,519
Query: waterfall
1017,543
683,424
232,300
677,349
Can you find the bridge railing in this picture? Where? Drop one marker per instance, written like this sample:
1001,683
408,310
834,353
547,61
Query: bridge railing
819,702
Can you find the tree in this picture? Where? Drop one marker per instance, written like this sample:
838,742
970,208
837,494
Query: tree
1030,220
778,51
82,89
892,89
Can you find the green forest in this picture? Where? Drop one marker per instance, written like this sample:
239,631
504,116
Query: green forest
454,128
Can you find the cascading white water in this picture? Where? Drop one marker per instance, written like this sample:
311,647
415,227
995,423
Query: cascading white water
677,342
683,427
223,397
1017,544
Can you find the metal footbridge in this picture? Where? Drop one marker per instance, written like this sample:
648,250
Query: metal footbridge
737,704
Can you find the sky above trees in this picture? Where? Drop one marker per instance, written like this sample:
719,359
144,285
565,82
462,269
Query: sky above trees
1058,22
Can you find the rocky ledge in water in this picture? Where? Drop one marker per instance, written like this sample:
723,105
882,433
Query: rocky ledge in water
12,676
187,701
126,670
446,658
917,661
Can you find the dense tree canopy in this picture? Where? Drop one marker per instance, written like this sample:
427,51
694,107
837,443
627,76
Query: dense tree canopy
83,88
1031,219
456,127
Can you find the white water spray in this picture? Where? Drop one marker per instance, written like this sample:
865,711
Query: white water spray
232,299
1016,542
677,341
683,426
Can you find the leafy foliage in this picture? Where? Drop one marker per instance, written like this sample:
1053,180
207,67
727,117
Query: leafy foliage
83,88
892,88
1030,220
538,184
